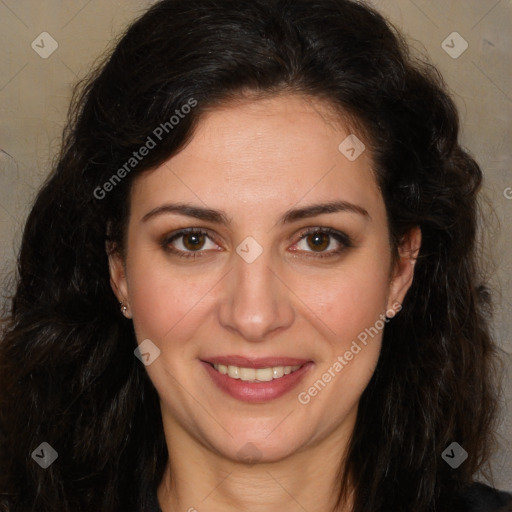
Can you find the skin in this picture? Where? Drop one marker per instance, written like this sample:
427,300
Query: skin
255,160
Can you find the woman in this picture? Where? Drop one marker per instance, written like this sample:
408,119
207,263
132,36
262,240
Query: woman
250,282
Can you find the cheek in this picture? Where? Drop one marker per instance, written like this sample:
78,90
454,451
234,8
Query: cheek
348,300
168,304
353,306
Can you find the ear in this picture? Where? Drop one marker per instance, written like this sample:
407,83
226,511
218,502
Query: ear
403,271
118,277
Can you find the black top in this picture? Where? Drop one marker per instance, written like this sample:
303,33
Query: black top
478,498
481,498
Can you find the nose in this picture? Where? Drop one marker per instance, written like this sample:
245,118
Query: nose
256,300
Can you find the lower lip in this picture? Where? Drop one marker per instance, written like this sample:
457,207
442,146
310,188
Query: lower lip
257,392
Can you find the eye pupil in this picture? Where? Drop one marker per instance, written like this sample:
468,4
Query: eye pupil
320,240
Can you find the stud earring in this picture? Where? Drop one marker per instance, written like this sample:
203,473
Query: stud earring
124,308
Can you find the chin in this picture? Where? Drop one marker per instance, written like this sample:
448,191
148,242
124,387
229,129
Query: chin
260,447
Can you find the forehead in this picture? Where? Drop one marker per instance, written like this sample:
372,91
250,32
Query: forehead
269,151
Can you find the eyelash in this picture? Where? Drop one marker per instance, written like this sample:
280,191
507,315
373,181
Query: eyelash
340,237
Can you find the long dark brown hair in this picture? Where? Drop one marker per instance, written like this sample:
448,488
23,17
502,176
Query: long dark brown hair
68,375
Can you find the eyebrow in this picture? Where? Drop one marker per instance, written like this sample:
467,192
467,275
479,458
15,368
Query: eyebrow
220,217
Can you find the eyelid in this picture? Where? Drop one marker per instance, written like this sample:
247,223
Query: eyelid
341,237
167,239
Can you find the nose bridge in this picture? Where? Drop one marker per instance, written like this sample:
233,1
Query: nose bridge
256,302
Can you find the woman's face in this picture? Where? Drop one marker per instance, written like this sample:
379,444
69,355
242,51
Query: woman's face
268,278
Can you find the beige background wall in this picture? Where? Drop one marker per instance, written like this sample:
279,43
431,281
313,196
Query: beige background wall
35,91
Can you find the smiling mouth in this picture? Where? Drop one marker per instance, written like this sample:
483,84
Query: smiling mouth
255,374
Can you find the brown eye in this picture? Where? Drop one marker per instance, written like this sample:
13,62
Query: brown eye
189,243
318,241
193,241
323,242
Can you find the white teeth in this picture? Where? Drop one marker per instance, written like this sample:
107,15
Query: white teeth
233,372
277,371
255,374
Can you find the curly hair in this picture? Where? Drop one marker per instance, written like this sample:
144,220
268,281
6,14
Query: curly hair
67,371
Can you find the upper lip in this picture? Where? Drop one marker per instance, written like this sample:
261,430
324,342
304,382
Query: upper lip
255,362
